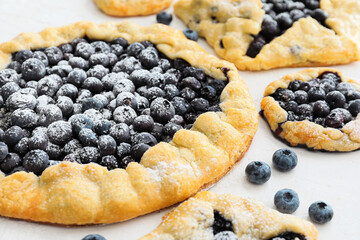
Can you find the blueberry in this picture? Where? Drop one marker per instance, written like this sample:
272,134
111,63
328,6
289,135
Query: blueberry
344,87
346,115
296,14
191,83
4,150
148,58
171,128
334,120
144,137
269,27
197,73
191,34
123,150
54,151
87,137
258,172
295,85
143,123
110,162
42,57
68,90
124,114
36,161
320,212
62,70
23,55
78,62
200,104
100,47
180,64
49,114
66,48
284,95
135,49
284,20
221,224
255,46
38,141
226,235
126,99
301,97
54,55
217,84
102,127
65,104
321,109
97,71
93,237
59,132
13,65
99,59
123,85
8,89
80,121
312,4
327,85
24,118
139,77
11,161
123,42
20,100
305,110
117,49
286,201
48,85
352,95
164,18
76,77
138,150
335,99
33,69
188,94
284,160
354,107
72,146
84,50
12,135
161,110
305,86
120,132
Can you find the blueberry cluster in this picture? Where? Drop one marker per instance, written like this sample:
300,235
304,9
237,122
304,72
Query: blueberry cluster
96,101
324,100
279,16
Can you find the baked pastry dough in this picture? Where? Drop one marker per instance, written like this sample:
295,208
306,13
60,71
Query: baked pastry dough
306,43
75,194
307,132
250,220
124,8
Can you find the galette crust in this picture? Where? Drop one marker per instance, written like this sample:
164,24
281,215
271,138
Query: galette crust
74,194
305,132
123,8
251,220
306,43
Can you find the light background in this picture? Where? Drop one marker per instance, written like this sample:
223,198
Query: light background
330,177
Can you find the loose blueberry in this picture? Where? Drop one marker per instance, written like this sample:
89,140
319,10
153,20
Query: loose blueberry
320,212
258,172
284,160
164,18
286,201
93,237
191,34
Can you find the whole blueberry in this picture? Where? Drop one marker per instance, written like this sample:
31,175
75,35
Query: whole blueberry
138,150
68,90
84,50
148,58
284,95
320,212
91,103
255,46
78,62
344,87
102,127
54,151
320,15
284,20
270,27
72,146
284,160
188,94
258,172
38,141
13,65
99,59
200,104
4,150
191,34
162,110
143,123
23,55
126,99
321,109
76,77
154,92
100,47
123,42
21,147
208,92
124,114
181,105
142,103
87,137
36,161
305,110
93,84
144,137
54,55
335,99
354,107
123,150
301,96
60,132
110,162
11,161
49,114
123,85
135,49
120,132
106,145
294,85
157,131
286,201
12,135
80,121
334,120
352,95
225,235
171,128
8,89
24,118
346,115
66,105
33,69
164,18
93,237
7,76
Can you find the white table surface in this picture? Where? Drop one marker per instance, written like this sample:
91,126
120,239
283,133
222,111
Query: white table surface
330,177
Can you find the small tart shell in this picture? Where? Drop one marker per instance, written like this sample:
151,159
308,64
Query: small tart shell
306,43
126,8
305,132
251,220
71,193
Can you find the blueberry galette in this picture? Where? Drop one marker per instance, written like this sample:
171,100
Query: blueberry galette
318,108
260,35
228,217
102,123
123,8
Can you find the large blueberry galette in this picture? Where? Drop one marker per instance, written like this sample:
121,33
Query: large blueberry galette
318,108
260,35
103,123
209,216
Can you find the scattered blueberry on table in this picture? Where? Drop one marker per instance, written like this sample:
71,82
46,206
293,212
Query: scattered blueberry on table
320,212
286,201
258,172
191,34
164,17
93,237
284,160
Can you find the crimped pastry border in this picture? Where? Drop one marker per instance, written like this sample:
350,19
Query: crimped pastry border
305,132
75,194
121,8
306,43
251,219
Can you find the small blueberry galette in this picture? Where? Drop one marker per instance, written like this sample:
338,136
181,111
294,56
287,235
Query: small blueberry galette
260,35
318,108
123,8
103,123
210,216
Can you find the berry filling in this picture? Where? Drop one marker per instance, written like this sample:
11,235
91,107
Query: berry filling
221,224
279,16
324,100
96,101
289,236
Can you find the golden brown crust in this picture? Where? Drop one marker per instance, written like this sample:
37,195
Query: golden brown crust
70,193
306,43
305,132
251,219
124,8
